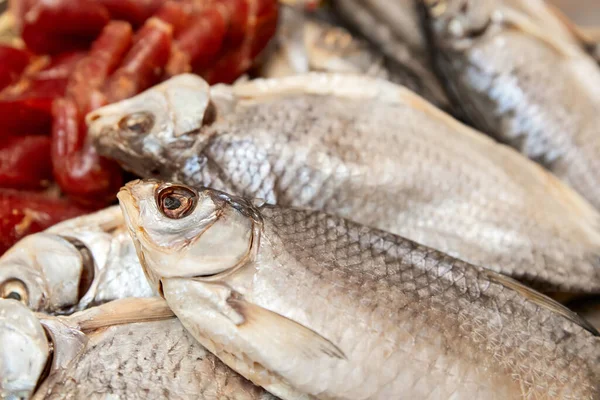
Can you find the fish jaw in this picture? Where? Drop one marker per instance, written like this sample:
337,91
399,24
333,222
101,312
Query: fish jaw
24,350
141,127
454,22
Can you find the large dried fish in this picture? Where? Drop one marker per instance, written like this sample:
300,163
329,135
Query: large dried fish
367,150
74,264
129,349
523,83
305,42
309,305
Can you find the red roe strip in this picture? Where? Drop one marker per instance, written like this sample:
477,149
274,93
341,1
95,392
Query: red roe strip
135,12
144,64
25,162
261,25
237,21
202,40
176,14
104,57
12,64
23,213
80,172
54,26
26,106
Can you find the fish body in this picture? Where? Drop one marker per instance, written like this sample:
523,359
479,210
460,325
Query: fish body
367,150
129,349
310,42
309,305
73,265
519,81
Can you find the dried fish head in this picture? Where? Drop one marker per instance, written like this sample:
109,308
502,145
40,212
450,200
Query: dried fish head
181,232
47,272
24,350
459,20
143,126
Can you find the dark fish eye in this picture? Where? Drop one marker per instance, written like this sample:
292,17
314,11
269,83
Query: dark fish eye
137,123
172,203
176,202
14,289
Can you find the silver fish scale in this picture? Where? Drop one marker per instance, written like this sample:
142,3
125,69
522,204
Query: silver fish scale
156,360
459,196
418,299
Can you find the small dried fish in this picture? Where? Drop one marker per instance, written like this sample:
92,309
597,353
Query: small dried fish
74,264
395,29
309,305
130,349
307,42
367,150
524,84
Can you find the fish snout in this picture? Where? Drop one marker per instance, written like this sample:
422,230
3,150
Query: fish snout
24,350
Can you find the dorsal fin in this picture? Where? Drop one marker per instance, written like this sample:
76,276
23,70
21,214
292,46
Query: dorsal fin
542,301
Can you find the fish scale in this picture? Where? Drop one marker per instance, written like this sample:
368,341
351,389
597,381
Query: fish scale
124,358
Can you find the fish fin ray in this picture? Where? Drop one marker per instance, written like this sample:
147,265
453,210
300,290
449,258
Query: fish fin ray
285,332
124,311
542,301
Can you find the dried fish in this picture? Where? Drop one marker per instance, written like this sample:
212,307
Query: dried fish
309,305
75,264
522,83
367,150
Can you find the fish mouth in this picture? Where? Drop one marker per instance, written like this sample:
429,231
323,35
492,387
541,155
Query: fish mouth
130,209
20,327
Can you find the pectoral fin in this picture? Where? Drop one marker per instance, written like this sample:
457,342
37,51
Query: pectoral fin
118,312
262,325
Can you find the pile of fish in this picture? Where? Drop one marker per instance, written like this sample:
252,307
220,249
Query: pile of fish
400,200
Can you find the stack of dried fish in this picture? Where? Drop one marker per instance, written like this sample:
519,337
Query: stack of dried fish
329,229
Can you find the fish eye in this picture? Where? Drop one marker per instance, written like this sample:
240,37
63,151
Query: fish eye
87,265
176,202
137,123
14,289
